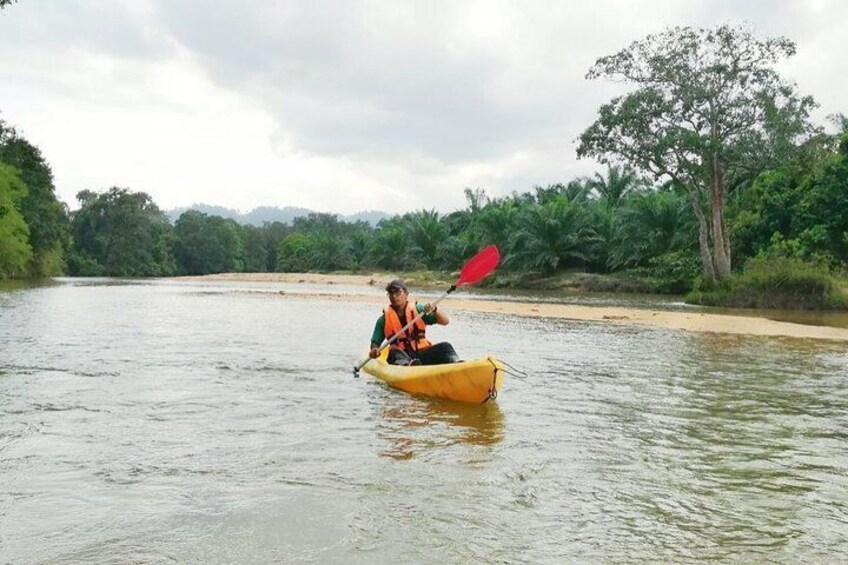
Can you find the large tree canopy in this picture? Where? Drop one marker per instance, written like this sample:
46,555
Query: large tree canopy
120,233
709,113
207,244
42,211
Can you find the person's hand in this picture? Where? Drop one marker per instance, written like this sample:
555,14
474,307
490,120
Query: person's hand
374,353
430,307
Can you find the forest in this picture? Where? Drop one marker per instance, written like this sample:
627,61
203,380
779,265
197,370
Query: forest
717,183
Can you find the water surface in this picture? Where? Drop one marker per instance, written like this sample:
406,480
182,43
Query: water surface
164,422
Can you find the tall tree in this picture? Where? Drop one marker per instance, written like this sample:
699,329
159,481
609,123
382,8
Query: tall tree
709,112
120,233
42,211
207,244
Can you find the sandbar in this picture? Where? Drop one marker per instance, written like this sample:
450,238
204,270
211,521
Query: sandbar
690,321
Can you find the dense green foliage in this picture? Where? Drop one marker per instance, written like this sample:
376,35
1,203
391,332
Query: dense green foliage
15,251
120,233
800,208
45,216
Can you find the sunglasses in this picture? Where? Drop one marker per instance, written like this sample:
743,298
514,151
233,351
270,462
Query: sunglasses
394,291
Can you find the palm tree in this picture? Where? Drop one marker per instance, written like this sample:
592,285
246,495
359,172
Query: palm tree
618,183
389,246
650,225
426,234
551,236
497,221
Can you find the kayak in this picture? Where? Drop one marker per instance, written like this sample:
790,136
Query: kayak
475,381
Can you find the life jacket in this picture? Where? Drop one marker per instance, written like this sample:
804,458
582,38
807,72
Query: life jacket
412,339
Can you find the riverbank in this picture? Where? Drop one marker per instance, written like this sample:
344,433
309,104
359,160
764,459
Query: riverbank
691,321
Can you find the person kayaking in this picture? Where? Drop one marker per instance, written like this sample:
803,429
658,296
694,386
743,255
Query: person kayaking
411,347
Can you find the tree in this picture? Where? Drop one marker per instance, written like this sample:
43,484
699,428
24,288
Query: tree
207,244
390,244
709,113
293,254
255,252
799,209
551,234
648,226
45,216
616,185
15,251
426,235
120,233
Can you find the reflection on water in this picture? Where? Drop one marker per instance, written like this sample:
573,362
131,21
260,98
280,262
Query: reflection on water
414,425
745,435
9,286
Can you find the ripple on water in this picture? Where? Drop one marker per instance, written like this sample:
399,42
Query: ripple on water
154,423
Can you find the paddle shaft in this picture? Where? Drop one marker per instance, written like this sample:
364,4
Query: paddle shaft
408,325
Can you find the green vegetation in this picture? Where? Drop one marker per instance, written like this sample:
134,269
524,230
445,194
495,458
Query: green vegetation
734,169
15,251
775,282
46,218
120,233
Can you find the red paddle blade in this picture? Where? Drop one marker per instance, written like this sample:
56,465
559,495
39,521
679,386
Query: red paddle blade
479,266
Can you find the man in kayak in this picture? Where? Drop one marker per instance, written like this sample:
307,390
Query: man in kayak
411,347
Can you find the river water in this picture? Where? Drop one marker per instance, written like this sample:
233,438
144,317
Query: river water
178,422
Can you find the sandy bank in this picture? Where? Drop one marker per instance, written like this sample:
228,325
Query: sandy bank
687,321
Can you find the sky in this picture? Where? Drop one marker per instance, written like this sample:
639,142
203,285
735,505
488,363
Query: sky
346,106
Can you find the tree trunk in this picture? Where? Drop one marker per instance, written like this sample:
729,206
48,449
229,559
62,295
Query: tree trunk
703,234
721,243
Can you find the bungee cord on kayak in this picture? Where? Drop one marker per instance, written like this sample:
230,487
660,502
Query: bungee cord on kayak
513,371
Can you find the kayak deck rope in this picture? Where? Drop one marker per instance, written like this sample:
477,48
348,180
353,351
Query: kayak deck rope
513,371
493,391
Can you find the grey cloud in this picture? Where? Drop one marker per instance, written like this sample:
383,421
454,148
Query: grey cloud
348,81
97,26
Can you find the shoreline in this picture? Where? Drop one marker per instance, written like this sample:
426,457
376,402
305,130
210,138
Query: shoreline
686,321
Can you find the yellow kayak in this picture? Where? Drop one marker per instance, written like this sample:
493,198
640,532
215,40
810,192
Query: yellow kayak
475,381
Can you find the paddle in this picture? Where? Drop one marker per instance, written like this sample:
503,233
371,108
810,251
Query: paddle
476,269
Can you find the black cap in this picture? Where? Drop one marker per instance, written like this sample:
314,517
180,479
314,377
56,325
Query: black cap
396,284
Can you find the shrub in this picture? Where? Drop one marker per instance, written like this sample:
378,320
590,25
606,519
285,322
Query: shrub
775,282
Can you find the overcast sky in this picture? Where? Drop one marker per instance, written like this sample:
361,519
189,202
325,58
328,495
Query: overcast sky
345,106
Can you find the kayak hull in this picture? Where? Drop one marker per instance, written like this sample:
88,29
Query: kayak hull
476,381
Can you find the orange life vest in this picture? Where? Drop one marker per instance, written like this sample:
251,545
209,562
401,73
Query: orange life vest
413,338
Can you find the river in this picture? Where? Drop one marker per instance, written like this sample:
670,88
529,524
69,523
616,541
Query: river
182,422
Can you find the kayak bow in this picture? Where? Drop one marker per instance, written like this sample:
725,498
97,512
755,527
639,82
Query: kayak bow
476,381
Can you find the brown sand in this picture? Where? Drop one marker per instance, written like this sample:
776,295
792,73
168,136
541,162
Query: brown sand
687,321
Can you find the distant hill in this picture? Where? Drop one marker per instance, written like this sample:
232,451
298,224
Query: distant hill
270,214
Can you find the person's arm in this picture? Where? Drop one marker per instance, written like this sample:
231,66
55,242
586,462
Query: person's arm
377,337
433,315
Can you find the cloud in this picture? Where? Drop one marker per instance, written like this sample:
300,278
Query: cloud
347,105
